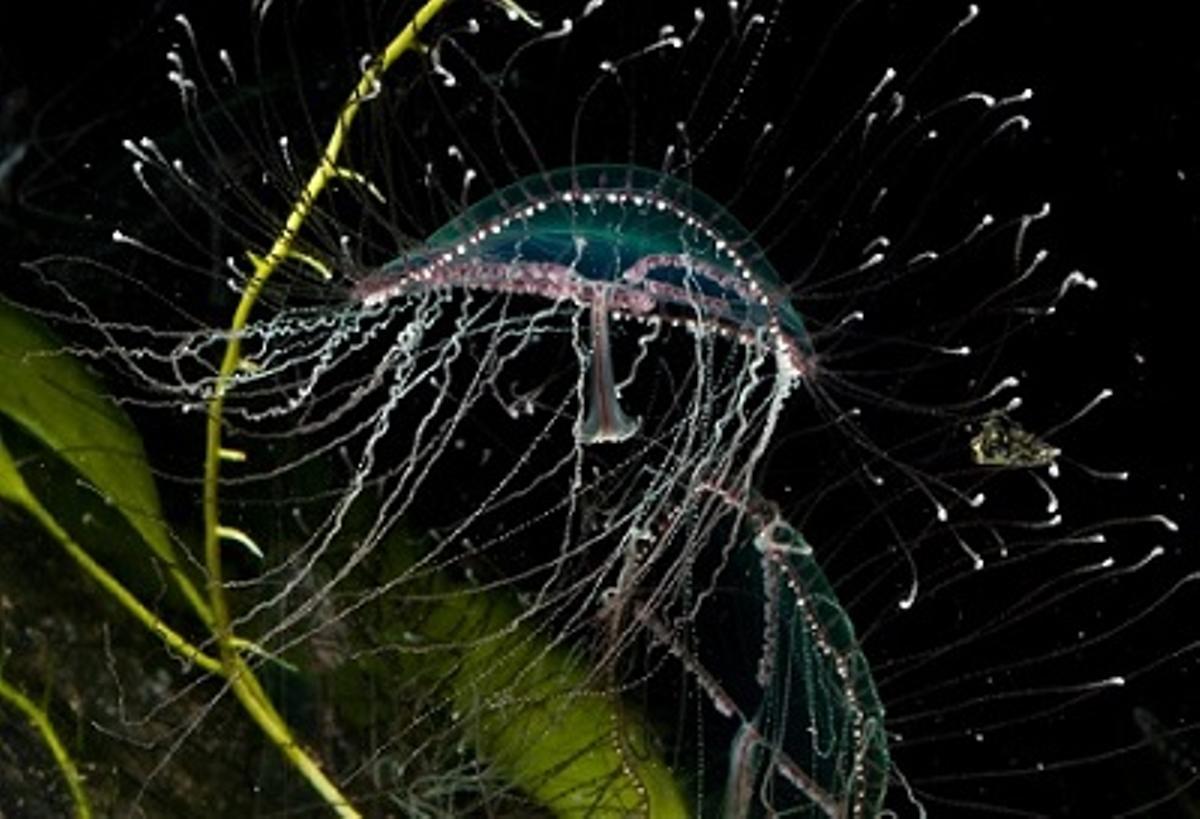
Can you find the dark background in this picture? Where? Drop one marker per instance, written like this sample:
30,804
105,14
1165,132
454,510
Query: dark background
1115,146
1116,125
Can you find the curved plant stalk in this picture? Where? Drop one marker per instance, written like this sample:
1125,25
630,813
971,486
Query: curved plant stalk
40,720
241,678
14,489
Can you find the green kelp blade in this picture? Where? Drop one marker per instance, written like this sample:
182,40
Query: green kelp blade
54,399
549,734
537,714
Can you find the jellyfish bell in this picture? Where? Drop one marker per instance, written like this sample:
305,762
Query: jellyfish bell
618,241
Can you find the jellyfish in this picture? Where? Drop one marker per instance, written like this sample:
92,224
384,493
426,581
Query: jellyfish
635,422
